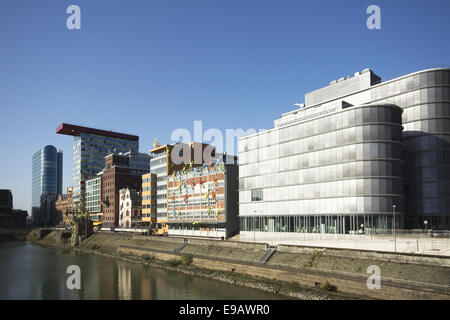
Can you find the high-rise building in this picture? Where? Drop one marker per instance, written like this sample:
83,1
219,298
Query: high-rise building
356,151
89,151
46,184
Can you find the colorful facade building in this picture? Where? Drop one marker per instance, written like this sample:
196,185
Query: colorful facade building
167,159
203,201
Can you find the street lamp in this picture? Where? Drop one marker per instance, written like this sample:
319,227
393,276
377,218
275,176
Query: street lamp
395,235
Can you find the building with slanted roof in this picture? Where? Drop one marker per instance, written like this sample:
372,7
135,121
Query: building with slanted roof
89,151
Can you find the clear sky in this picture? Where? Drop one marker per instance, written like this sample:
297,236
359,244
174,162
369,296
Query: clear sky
149,67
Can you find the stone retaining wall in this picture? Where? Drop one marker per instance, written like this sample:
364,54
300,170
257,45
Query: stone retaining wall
352,284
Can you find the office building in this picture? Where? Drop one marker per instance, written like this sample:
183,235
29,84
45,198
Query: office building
149,201
203,201
6,200
89,151
345,158
118,174
10,217
165,160
46,184
93,199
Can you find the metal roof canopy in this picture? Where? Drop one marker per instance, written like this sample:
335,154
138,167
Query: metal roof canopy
74,130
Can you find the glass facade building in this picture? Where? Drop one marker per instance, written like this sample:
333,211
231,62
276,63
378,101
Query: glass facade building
329,174
340,162
46,178
89,150
93,196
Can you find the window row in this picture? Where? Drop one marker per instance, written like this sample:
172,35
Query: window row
340,224
332,189
367,205
332,123
347,155
352,137
415,82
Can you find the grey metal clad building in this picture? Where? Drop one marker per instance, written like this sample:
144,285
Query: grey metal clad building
340,162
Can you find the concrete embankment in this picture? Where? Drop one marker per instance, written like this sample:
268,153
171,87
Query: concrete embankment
327,271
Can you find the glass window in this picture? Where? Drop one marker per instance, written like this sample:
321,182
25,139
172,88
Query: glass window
257,195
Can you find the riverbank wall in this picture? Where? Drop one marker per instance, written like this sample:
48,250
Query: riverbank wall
342,271
13,234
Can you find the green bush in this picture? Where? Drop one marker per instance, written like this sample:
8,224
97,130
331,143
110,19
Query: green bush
174,262
328,287
148,258
187,259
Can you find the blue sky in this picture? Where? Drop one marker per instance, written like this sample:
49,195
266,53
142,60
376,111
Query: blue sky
149,67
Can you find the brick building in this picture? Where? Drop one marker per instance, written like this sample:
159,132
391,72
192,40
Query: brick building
64,205
117,174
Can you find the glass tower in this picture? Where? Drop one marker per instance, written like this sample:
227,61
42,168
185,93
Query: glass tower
89,153
47,176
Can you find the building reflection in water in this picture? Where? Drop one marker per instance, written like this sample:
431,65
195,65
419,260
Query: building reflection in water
124,281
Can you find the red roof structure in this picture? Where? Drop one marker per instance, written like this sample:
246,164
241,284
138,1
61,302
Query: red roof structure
73,130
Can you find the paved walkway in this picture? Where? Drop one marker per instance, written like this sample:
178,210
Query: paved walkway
406,244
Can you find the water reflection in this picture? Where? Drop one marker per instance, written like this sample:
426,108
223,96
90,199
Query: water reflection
33,272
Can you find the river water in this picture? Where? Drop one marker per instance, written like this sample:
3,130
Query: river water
29,271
